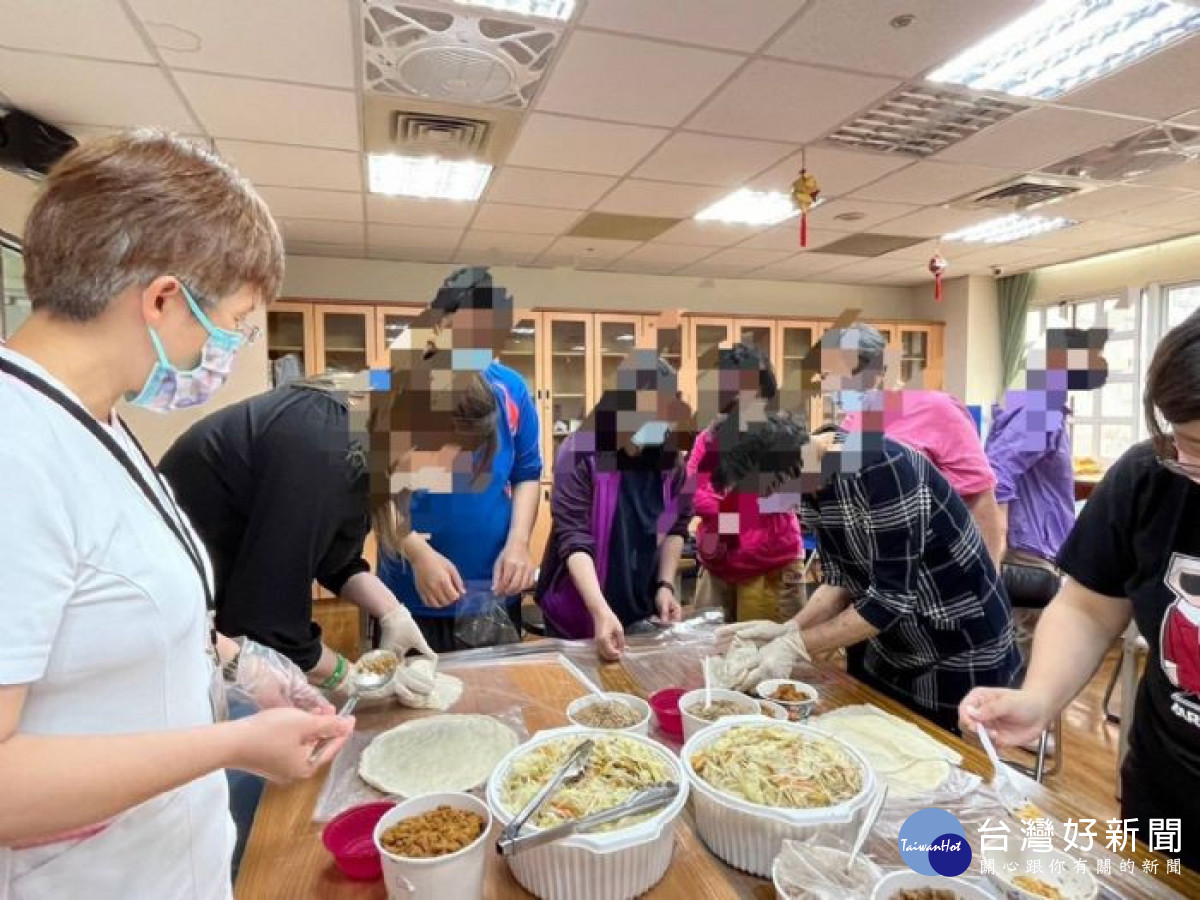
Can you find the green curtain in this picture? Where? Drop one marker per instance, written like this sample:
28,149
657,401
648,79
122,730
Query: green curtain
1013,294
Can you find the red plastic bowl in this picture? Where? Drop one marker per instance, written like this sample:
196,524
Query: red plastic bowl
349,836
665,704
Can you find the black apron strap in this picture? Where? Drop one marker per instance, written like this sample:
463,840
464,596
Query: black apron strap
174,523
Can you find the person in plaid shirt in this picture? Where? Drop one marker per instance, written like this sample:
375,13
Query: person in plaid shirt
905,570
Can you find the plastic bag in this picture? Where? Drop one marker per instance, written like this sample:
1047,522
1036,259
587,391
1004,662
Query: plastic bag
481,618
815,869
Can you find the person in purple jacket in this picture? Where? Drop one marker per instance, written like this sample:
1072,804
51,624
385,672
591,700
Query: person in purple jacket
620,511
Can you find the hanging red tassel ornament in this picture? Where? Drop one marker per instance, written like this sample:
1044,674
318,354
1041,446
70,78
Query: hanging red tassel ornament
805,192
937,266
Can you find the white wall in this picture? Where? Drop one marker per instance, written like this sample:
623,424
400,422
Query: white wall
972,340
378,281
1164,263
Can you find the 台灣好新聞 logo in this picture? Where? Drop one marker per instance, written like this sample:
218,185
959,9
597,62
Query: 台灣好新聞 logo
933,842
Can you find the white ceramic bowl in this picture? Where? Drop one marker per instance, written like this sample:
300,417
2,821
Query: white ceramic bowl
694,724
773,710
637,704
748,836
797,710
612,865
458,875
1074,885
892,884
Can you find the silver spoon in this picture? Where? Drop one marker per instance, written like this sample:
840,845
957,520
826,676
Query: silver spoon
363,681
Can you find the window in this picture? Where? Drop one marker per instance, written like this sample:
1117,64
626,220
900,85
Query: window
14,305
1182,301
1105,422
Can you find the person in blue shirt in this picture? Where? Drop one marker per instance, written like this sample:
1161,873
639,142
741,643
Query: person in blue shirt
470,545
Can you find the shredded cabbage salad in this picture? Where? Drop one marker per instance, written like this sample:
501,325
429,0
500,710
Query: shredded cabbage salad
776,767
618,769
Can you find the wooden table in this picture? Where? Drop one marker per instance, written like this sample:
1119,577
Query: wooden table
285,859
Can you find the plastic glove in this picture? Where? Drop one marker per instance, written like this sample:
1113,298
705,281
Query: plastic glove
757,632
266,678
414,682
778,658
401,634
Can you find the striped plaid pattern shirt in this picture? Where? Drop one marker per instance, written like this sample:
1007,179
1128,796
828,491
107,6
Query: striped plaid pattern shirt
901,541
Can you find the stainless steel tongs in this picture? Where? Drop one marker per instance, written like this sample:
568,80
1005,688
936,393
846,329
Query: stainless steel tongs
644,801
571,770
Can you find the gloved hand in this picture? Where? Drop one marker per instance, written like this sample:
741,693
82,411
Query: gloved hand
757,632
266,678
400,634
414,682
778,658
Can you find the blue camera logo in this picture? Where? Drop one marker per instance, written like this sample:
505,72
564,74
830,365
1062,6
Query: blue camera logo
933,842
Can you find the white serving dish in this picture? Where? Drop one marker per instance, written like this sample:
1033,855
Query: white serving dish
908,880
637,704
457,875
694,724
800,709
616,865
748,836
1075,885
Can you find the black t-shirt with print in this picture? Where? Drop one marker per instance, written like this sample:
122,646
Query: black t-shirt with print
1139,537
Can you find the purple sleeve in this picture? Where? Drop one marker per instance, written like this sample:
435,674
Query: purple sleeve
1011,451
684,489
571,503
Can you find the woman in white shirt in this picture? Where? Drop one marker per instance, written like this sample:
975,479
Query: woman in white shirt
144,254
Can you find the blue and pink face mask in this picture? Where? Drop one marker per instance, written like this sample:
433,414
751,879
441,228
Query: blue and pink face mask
168,388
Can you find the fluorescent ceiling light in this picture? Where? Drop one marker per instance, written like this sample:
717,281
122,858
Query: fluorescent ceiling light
1062,44
1009,228
746,207
543,9
427,176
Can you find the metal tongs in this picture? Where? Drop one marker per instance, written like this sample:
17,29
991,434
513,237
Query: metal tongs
644,801
572,770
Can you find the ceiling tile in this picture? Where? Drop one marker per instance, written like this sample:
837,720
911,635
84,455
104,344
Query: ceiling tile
1039,137
88,92
738,261
505,242
927,183
547,142
658,198
527,219
272,112
669,256
540,187
409,237
787,237
414,211
985,258
707,234
581,251
1192,118
1108,202
857,34
1083,235
301,203
1184,212
826,215
1185,175
838,171
468,256
919,252
320,231
1150,88
337,251
934,221
706,159
802,265
305,41
875,268
784,102
287,166
411,254
95,28
654,84
711,23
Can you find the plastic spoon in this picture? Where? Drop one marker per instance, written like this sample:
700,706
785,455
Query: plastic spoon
867,825
707,682
1013,798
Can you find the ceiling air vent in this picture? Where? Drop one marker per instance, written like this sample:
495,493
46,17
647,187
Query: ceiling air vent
919,120
1023,193
1155,148
442,135
416,128
454,54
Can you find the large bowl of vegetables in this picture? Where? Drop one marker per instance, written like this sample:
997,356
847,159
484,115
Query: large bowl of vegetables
621,860
756,784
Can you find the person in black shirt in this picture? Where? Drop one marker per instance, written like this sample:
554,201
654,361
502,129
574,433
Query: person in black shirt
1133,554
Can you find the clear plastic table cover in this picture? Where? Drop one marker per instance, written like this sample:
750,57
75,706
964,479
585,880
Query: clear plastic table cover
673,657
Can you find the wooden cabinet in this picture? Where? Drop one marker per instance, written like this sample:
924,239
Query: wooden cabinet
390,321
290,334
569,378
344,337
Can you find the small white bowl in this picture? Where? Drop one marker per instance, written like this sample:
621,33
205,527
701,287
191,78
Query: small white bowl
637,704
892,884
692,724
800,709
1074,884
773,710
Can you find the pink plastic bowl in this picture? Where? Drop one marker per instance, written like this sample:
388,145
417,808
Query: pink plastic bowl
349,836
665,704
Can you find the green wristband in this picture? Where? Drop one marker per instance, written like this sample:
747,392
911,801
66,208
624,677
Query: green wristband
338,676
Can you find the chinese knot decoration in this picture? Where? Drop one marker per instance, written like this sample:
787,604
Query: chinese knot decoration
805,191
937,266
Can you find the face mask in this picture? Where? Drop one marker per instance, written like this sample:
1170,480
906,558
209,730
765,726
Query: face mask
168,388
470,359
851,401
651,434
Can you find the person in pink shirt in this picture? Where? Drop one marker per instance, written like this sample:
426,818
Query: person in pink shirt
931,422
745,546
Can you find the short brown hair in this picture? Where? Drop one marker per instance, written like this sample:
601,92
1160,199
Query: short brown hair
1173,382
126,209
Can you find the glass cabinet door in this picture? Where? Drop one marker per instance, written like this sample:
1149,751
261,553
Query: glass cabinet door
289,342
669,344
389,325
520,351
568,385
759,335
616,337
914,354
345,338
